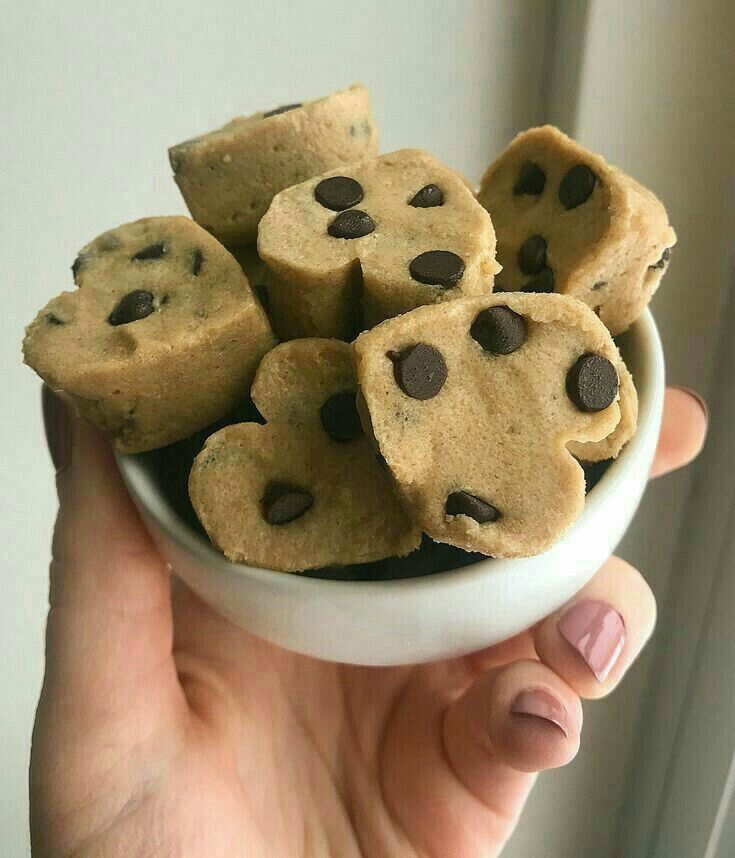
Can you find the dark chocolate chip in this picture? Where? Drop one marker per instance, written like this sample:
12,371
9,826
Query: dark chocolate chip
76,266
197,259
576,186
542,282
153,251
532,255
284,108
437,268
428,197
665,256
592,383
351,224
499,330
134,306
531,180
463,503
500,283
284,502
596,286
420,371
338,193
53,319
340,418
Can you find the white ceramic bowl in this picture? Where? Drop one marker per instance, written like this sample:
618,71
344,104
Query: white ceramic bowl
436,616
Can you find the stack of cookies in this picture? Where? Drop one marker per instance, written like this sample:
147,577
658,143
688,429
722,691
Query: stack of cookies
427,363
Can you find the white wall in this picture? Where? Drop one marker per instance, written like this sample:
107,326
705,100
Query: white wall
92,95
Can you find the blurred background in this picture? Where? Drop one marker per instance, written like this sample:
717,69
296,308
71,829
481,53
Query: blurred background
92,96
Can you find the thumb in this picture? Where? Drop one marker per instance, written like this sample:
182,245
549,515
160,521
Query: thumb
109,623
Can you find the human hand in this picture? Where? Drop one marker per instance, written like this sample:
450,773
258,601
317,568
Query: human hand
164,730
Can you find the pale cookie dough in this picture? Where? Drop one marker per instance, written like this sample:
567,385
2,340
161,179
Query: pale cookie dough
568,222
162,337
306,490
473,404
229,177
610,447
355,246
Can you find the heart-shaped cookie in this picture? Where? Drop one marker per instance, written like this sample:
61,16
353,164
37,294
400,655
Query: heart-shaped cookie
162,337
305,490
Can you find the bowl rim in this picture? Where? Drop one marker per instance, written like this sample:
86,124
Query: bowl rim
649,357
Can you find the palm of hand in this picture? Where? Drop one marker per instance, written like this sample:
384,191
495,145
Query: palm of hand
163,730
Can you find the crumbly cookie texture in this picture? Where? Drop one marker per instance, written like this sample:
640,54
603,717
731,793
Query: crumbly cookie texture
162,337
229,177
357,245
568,222
305,490
473,404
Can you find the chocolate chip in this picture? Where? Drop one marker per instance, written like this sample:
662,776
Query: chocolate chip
576,186
76,266
134,306
437,268
53,319
428,197
284,108
500,283
532,255
543,282
351,224
153,251
531,180
596,286
340,418
665,256
463,503
420,371
499,330
197,258
338,193
284,502
592,383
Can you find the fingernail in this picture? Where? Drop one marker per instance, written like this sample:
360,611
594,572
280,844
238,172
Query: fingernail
697,397
541,704
58,428
597,631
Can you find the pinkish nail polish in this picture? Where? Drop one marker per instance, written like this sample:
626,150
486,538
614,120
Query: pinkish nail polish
540,703
597,631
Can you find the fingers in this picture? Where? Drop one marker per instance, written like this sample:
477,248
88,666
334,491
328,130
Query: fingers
593,640
518,719
110,621
683,430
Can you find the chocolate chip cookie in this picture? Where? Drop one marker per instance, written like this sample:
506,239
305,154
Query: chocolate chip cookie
570,223
229,177
162,337
305,490
359,245
473,403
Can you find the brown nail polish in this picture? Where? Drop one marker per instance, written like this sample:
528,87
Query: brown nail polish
58,428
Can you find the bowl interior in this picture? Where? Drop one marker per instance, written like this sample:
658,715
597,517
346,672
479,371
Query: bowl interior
158,481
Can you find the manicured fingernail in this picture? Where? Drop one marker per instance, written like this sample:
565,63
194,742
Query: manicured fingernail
697,397
597,631
539,703
58,428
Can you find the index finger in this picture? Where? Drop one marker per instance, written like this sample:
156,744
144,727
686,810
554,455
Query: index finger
683,430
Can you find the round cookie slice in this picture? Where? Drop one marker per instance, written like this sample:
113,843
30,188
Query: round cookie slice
570,223
162,337
229,177
357,245
473,404
305,490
